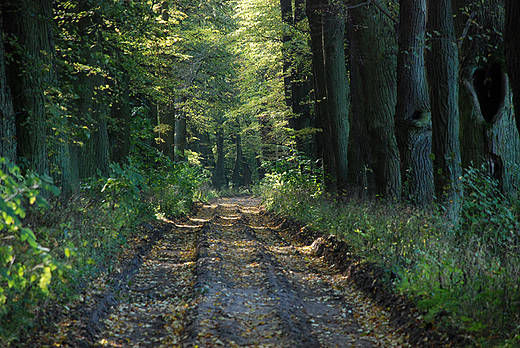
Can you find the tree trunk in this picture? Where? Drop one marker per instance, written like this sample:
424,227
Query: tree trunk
442,70
412,116
7,117
28,23
218,178
180,131
287,20
512,51
93,157
120,111
295,81
166,131
374,44
324,150
488,133
338,90
238,163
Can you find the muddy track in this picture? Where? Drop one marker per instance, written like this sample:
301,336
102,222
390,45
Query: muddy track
230,276
255,289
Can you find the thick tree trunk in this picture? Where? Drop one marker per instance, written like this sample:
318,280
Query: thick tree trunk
295,81
287,20
324,150
442,70
512,50
93,156
488,133
29,24
338,91
412,116
374,44
7,117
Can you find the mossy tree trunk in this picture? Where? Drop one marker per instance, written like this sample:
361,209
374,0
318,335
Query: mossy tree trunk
412,115
7,117
374,45
488,134
93,156
337,90
512,52
324,147
28,27
442,71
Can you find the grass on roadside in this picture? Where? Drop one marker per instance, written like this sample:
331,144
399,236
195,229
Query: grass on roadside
50,250
467,276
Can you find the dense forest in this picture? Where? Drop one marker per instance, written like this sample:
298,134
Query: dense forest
404,110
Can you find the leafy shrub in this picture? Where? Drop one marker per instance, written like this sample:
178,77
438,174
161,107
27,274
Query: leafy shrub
26,266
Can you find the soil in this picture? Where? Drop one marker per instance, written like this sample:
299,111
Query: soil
234,275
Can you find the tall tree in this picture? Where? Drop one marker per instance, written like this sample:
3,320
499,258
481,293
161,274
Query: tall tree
28,25
337,88
487,131
442,71
374,58
512,52
7,117
412,115
324,151
295,54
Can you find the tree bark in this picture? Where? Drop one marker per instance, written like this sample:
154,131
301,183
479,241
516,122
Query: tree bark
93,157
412,116
324,150
338,90
512,51
488,134
28,23
374,44
120,111
166,130
219,178
180,131
7,117
238,162
442,71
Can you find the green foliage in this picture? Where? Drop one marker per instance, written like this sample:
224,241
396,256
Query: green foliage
465,276
26,267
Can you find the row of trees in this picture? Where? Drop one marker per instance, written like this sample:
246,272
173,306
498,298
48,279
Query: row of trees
406,94
85,83
391,98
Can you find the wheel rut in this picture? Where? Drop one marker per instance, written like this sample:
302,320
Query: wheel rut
229,277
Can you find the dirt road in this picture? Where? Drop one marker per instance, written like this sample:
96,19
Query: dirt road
228,277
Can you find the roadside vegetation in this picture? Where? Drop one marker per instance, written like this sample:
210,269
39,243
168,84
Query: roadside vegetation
50,249
463,275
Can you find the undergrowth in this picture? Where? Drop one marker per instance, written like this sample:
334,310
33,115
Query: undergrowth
467,276
49,249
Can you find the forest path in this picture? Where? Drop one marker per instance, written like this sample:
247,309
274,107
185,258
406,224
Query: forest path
228,277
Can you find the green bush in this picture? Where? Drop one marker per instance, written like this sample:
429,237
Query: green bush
26,266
